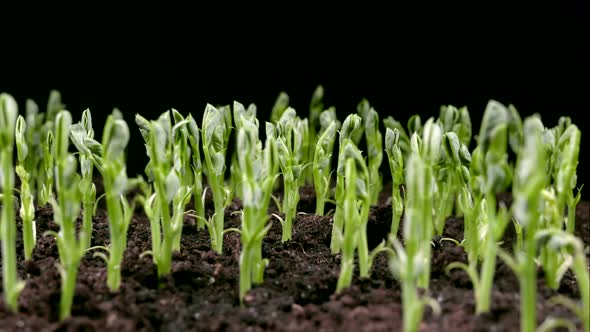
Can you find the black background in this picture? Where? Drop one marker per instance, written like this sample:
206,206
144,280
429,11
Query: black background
148,57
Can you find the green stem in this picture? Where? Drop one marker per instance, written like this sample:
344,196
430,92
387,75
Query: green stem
164,257
156,234
27,214
118,234
411,310
28,237
550,261
68,285
338,223
571,217
258,264
165,260
197,195
528,287
86,234
216,230
245,268
8,227
396,213
320,204
363,245
583,280
484,292
290,200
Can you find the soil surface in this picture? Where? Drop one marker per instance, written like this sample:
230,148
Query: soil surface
201,293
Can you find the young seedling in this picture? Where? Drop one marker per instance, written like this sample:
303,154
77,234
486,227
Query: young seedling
81,132
426,150
411,265
215,137
404,140
352,129
572,246
490,174
568,146
35,135
458,121
374,141
66,210
27,209
11,285
290,136
166,226
528,183
109,159
453,177
259,169
280,106
316,111
354,208
241,115
194,138
352,224
396,166
321,166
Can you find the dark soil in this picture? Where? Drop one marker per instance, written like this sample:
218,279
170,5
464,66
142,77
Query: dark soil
201,294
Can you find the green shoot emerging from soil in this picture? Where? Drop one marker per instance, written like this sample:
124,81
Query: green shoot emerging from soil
215,137
12,286
259,169
66,210
109,159
290,136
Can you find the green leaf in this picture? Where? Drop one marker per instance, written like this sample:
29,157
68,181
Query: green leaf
414,124
172,185
115,138
494,120
54,104
120,183
280,106
8,115
351,129
21,143
63,123
316,106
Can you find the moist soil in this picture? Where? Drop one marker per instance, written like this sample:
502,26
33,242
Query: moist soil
201,293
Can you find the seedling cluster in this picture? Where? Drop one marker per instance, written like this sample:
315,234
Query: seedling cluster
434,175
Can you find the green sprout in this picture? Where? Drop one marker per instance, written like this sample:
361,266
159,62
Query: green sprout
572,246
354,208
215,139
281,105
290,136
404,140
352,130
411,265
322,160
109,159
259,169
11,285
194,138
568,147
490,174
426,150
165,143
79,133
374,148
396,166
528,183
66,210
27,208
241,115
